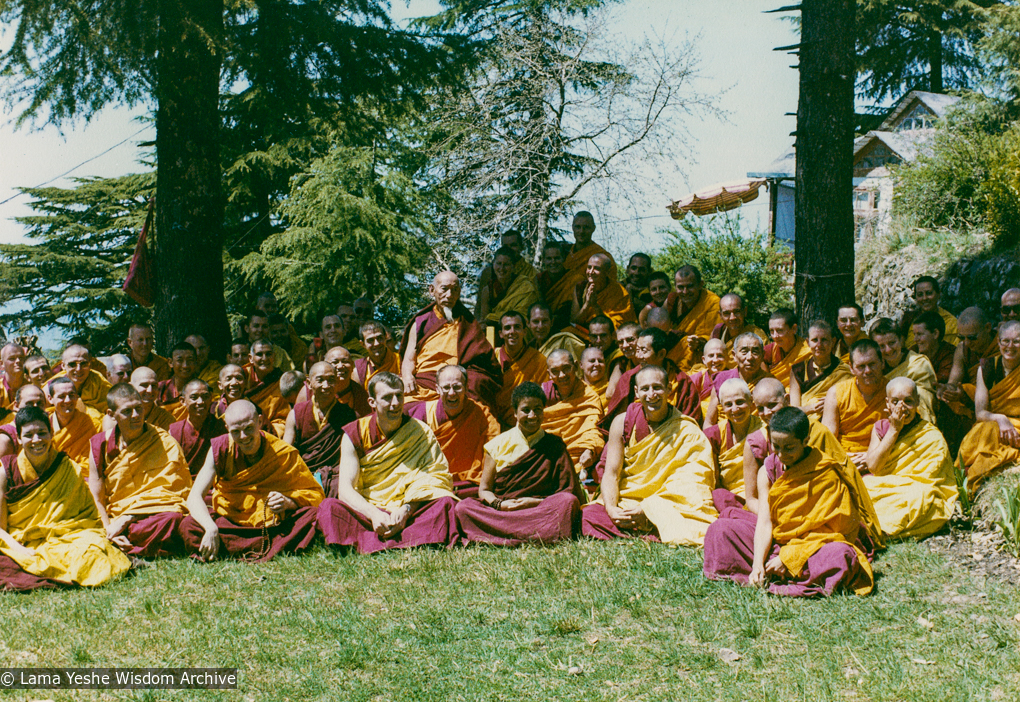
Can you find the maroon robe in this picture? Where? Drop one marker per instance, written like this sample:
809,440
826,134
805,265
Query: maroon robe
355,397
196,443
808,376
320,448
686,398
167,393
12,577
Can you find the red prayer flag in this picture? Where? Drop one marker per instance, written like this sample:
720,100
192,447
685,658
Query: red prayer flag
140,282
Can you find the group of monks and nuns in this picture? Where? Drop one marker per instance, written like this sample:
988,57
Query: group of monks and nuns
315,427
50,531
445,333
92,386
994,441
239,352
508,290
659,473
636,281
600,294
909,470
461,426
200,425
12,358
143,379
26,396
806,539
748,352
519,362
264,498
140,344
737,421
380,357
812,378
573,412
733,312
899,362
594,371
394,488
928,329
184,366
38,370
207,369
854,406
528,491
71,423
693,312
139,478
263,380
787,347
118,369
850,322
927,295
659,287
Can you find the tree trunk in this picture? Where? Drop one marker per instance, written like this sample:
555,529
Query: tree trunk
189,201
935,79
824,220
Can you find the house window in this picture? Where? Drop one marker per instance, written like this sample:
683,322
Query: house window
920,117
878,156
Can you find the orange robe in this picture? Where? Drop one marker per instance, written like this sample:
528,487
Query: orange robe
92,392
529,366
461,438
73,439
561,292
780,364
857,417
575,419
698,321
614,302
266,394
366,368
981,452
159,365
160,418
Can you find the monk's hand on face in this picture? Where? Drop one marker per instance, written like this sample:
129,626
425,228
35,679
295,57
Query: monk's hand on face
776,567
898,417
519,503
210,546
1007,433
280,503
410,386
589,294
757,576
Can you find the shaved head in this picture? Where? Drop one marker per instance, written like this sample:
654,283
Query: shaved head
901,384
559,356
321,367
141,374
73,350
768,389
239,411
445,278
713,345
658,317
973,315
230,368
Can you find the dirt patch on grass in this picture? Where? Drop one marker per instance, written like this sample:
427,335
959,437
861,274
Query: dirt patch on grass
979,551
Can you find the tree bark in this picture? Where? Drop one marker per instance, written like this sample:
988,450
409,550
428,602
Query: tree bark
189,199
824,220
935,80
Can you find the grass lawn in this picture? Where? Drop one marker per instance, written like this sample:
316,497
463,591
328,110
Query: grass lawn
638,619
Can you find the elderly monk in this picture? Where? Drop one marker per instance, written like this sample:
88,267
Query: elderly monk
380,356
995,440
928,330
38,370
461,426
518,361
806,539
850,322
140,344
72,426
636,281
693,312
529,491
573,412
600,294
26,396
854,406
239,351
624,357
786,349
910,473
264,386
139,479
442,334
118,369
144,381
256,328
733,312
12,357
748,350
184,363
208,368
926,296
714,360
594,371
199,427
50,533
92,386
507,289
812,378
315,427
659,286
348,392
899,362
233,382
394,488
737,421
659,472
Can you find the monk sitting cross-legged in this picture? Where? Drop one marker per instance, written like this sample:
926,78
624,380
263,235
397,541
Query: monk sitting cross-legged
853,406
519,362
910,474
529,491
184,363
72,427
380,357
811,379
197,430
140,480
50,533
899,362
805,542
394,489
659,472
461,425
573,412
748,350
264,498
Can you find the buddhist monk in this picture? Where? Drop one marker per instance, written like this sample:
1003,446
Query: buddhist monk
12,357
806,539
143,379
38,370
208,368
199,427
461,426
91,385
364,310
977,340
184,365
233,382
659,473
636,281
576,263
518,361
445,333
854,406
733,312
331,335
850,321
994,441
513,243
737,420
529,492
506,291
1009,308
693,312
812,378
593,371
50,533
140,344
283,335
573,412
292,383
139,479
928,330
658,289
715,358
600,294
26,396
623,358
345,311
118,369
380,357
264,498
909,471
348,392
256,328
926,297
748,351
786,349
555,285
264,386
602,335
394,488
71,426
899,362
239,352
540,324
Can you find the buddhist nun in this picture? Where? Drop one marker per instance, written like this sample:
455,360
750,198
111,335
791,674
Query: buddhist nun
737,421
900,362
812,378
850,321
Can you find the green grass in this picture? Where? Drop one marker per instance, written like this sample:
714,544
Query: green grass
639,619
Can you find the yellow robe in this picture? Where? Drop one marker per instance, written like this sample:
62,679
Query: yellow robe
439,350
529,366
915,490
563,340
699,321
149,476
408,467
576,421
562,292
857,417
614,301
952,331
74,438
670,475
59,520
521,295
819,390
161,418
918,368
981,452
780,369
730,461
93,391
210,373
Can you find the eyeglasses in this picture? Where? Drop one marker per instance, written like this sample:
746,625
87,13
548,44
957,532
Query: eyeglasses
969,337
1012,310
